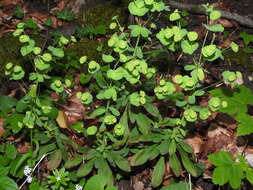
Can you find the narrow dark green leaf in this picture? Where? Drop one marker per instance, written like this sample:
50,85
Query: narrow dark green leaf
10,151
100,80
143,123
158,172
175,164
73,162
188,165
172,147
85,169
132,116
55,160
114,111
96,182
177,186
7,183
142,156
152,109
122,163
6,103
186,147
45,149
164,147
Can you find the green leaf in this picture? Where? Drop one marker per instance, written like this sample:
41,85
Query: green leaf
29,23
107,58
45,149
73,162
10,151
19,12
6,103
227,170
143,123
104,170
122,163
25,50
78,126
152,109
188,165
55,160
96,182
114,111
65,15
84,79
17,163
221,158
189,47
175,164
214,28
237,99
172,147
142,156
177,186
7,183
164,147
101,110
49,21
85,169
58,52
236,176
247,38
137,8
100,79
186,147
15,122
245,126
158,172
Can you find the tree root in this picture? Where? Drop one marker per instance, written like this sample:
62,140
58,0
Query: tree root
243,20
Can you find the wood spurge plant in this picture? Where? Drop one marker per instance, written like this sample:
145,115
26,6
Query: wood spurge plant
130,123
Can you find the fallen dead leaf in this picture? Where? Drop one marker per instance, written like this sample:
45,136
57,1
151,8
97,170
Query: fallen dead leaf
196,143
62,119
13,3
225,23
23,147
1,127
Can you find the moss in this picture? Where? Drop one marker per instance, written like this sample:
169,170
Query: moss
10,52
239,58
97,15
88,48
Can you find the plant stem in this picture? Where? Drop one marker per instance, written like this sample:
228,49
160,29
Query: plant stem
200,57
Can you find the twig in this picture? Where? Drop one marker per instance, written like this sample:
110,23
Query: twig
243,20
34,169
47,34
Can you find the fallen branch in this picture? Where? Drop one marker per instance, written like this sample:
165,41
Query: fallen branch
243,20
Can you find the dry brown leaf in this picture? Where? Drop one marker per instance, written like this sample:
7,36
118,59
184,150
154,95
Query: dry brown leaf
196,143
225,23
61,5
23,147
62,119
226,120
1,127
12,3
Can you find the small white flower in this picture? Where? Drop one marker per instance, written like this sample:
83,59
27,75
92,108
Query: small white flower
29,179
58,178
27,171
78,187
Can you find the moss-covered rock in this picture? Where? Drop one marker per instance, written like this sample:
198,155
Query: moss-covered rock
10,52
239,58
102,14
86,47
